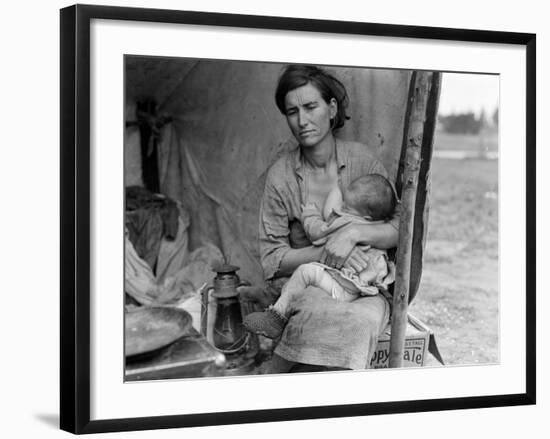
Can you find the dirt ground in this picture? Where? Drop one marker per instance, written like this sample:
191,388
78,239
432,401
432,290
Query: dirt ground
459,295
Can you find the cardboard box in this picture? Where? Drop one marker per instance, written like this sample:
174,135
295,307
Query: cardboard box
417,338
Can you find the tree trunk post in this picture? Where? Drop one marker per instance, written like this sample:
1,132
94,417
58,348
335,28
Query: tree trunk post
418,102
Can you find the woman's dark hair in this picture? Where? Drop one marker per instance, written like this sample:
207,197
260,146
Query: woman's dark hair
298,75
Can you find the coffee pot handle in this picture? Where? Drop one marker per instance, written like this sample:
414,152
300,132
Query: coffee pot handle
205,293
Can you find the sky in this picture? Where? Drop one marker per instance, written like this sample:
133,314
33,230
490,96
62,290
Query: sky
463,92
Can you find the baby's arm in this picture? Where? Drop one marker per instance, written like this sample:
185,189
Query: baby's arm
316,229
314,226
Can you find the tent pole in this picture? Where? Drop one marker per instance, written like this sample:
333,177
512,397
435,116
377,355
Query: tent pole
419,109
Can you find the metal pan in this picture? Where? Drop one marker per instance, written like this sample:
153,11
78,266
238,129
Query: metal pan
151,328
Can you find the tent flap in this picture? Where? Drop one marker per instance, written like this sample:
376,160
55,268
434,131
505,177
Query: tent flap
227,131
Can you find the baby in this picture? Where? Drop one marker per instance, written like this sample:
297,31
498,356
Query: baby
369,199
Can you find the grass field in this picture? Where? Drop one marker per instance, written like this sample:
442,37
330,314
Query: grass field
486,141
459,294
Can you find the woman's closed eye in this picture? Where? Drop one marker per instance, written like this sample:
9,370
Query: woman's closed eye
310,106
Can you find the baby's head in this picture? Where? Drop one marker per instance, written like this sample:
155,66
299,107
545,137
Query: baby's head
370,196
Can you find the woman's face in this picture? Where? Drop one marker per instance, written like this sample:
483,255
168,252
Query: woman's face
308,115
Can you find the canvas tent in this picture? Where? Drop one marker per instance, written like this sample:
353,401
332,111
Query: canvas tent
225,131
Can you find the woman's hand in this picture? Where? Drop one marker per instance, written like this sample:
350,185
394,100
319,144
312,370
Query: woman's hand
339,247
357,260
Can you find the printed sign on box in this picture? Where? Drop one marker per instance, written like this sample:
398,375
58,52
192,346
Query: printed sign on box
417,337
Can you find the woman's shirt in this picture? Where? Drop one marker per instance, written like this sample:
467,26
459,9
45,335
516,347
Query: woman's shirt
285,192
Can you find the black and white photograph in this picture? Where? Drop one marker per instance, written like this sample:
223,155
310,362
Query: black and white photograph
286,218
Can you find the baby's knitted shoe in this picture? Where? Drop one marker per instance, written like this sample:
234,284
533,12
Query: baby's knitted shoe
268,323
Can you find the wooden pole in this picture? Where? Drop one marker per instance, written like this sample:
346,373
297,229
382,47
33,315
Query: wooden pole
418,109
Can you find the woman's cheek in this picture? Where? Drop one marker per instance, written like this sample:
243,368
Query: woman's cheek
290,120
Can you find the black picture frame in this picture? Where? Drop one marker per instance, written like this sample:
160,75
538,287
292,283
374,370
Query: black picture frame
75,218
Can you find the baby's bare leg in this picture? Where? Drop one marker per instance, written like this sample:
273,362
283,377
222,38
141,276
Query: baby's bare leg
306,275
272,322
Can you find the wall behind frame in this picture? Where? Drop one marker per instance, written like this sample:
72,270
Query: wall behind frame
30,173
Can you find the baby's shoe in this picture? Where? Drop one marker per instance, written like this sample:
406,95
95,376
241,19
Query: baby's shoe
269,323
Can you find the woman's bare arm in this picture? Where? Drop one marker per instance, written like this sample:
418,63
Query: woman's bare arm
295,257
341,243
383,236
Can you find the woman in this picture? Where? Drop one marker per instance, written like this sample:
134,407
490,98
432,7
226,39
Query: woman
314,104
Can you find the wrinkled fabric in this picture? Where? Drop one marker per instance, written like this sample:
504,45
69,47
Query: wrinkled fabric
216,217
140,282
145,232
378,275
174,253
180,271
149,218
326,332
185,272
138,197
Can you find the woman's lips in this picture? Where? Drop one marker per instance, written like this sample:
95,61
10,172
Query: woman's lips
306,133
